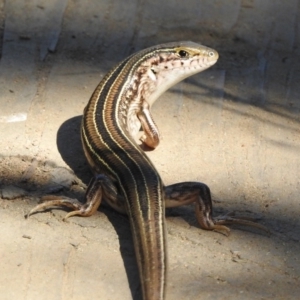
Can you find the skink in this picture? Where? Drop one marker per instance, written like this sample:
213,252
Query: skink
124,175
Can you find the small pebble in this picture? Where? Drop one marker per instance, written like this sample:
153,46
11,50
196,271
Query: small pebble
11,192
63,177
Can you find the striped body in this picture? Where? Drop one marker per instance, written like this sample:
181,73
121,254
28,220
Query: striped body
111,150
117,109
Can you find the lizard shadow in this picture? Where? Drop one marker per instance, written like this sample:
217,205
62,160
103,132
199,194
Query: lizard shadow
69,145
70,148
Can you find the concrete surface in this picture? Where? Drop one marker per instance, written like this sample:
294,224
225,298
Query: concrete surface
234,127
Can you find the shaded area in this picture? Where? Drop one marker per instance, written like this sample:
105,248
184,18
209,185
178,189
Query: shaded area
261,55
70,148
2,21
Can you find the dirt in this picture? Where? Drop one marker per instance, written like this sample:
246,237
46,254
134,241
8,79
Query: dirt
234,127
85,256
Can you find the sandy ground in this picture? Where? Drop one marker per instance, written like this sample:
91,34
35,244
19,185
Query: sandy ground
234,127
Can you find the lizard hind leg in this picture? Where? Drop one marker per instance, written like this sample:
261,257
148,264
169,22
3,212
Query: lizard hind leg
98,187
185,193
199,193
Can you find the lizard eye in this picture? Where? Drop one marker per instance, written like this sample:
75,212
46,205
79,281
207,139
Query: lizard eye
183,53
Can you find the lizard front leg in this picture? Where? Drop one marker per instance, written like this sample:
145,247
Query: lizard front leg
196,192
150,135
100,187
